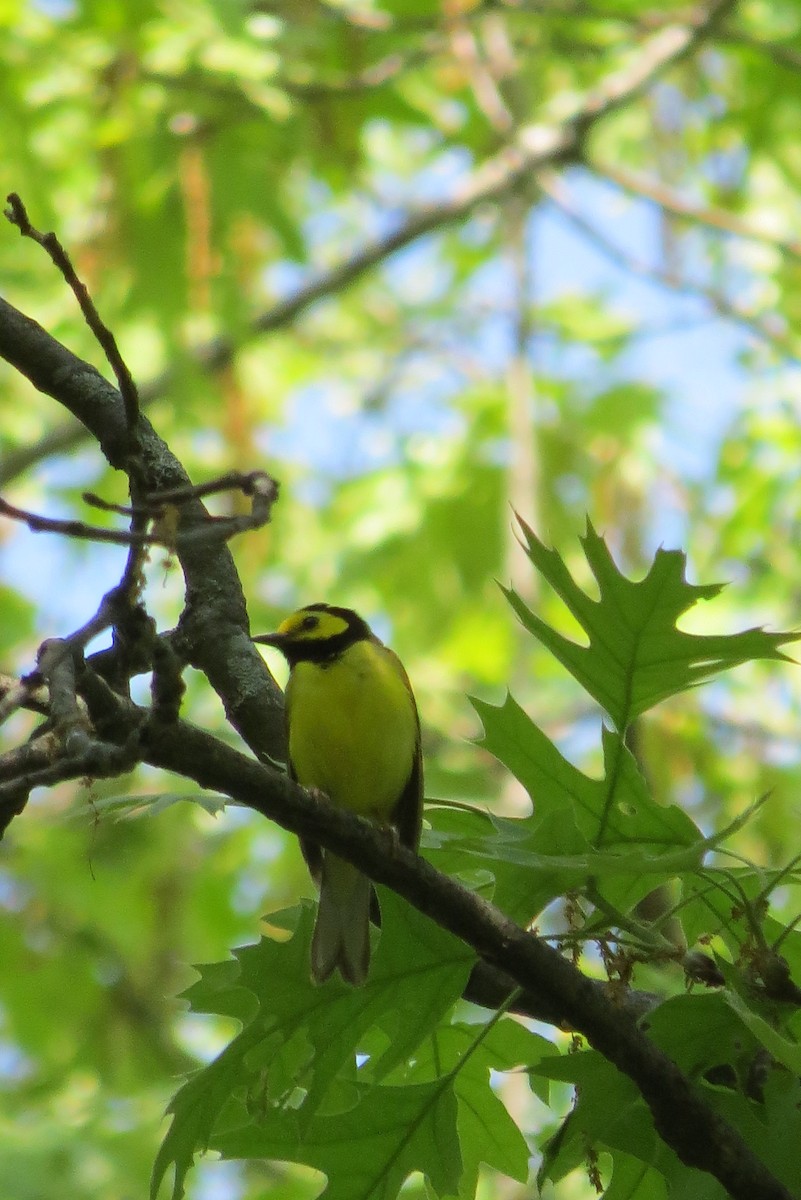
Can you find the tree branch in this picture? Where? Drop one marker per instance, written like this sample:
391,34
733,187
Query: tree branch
79,529
682,1117
554,989
670,201
214,629
18,215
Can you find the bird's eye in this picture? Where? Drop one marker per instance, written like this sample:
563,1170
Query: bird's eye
309,623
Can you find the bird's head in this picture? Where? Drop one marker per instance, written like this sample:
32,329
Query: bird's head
317,633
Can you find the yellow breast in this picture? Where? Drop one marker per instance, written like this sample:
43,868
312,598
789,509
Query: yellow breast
353,729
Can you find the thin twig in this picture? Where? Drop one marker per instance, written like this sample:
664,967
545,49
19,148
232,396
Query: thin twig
122,510
699,214
76,529
17,214
258,484
262,489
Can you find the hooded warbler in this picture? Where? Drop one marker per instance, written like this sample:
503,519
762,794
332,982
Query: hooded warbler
353,733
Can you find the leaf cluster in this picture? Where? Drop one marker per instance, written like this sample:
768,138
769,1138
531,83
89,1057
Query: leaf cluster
372,1085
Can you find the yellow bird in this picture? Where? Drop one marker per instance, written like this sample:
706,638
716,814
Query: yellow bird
353,732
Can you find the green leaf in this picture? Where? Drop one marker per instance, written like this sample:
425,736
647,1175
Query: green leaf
219,990
608,1110
636,656
781,1133
301,1041
196,1109
487,1133
632,1179
780,1048
771,1127
369,1151
698,1033
473,1054
616,810
147,805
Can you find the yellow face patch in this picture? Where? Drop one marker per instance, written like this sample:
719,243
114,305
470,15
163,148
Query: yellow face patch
309,625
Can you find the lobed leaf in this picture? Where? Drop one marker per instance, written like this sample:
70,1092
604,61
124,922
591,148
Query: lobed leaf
636,655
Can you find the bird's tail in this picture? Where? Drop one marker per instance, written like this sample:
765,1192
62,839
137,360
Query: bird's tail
342,932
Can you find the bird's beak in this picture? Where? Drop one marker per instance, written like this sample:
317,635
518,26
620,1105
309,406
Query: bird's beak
270,639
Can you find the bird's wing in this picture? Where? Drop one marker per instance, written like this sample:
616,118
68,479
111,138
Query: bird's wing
312,852
407,815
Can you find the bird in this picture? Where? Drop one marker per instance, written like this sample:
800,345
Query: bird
353,733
